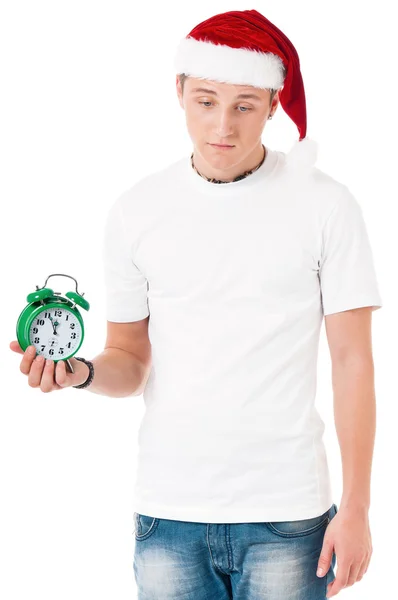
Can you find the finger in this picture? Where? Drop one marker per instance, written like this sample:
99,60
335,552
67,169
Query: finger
325,558
47,380
35,372
361,570
14,345
340,581
364,566
353,574
369,557
60,373
28,358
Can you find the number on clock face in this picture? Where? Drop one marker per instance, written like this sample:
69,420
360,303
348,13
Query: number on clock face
55,333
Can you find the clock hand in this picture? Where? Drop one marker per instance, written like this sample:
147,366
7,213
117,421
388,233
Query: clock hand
51,319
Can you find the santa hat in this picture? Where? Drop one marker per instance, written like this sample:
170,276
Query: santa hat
243,47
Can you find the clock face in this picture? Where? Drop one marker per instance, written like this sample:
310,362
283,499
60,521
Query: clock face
55,333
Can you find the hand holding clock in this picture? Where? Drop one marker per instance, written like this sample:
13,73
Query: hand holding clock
50,331
46,374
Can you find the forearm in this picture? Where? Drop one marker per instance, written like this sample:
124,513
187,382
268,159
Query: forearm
118,374
355,421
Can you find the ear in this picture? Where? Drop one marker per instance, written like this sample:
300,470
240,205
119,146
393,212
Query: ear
179,91
275,103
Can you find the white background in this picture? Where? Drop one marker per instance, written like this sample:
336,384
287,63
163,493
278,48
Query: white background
88,107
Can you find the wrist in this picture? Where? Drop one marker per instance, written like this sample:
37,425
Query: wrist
354,504
83,371
86,374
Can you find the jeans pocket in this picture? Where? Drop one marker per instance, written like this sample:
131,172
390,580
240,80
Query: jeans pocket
301,527
144,526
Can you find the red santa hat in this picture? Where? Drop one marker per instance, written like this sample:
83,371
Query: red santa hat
243,47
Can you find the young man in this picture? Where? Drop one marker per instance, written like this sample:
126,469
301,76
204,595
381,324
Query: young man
219,270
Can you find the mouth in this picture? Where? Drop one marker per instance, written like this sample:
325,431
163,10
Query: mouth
221,145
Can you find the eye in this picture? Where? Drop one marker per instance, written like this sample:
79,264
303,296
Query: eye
246,109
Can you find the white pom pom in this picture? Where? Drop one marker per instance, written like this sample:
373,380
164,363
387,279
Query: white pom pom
303,154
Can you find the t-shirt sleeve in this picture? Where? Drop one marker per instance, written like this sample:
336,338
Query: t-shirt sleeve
347,273
125,285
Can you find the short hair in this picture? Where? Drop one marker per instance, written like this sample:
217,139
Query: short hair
183,77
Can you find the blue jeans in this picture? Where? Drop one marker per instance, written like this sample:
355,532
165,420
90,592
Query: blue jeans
182,560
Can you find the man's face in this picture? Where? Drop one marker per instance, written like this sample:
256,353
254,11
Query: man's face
216,115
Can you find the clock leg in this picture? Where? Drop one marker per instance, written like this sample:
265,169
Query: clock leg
69,365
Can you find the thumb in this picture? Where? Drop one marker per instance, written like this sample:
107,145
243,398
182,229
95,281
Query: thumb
325,557
65,379
61,376
14,345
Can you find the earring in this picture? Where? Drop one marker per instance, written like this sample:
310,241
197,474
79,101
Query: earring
270,117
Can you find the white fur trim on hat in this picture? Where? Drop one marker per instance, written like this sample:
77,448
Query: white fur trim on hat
218,62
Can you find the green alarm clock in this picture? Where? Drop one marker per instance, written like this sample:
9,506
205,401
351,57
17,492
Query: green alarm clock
52,323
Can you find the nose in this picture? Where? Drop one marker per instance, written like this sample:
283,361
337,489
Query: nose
224,127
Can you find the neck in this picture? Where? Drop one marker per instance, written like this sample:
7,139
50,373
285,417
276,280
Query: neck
228,174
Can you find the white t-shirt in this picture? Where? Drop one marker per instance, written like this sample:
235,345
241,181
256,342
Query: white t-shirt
236,278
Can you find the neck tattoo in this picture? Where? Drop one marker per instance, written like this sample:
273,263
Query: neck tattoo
238,178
